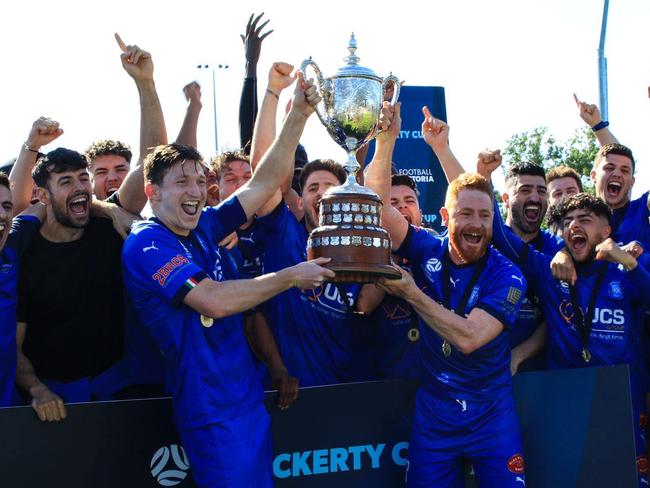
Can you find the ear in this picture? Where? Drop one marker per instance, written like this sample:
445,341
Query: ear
152,191
606,231
592,175
444,214
43,195
506,199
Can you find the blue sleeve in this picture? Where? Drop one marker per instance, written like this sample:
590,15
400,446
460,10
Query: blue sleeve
22,230
165,270
269,225
225,218
417,242
640,280
505,295
504,239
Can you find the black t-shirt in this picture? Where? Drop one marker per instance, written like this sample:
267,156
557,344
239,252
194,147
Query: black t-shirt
70,295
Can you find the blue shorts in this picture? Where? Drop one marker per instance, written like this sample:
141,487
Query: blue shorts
447,432
236,453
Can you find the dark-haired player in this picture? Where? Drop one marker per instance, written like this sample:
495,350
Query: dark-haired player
598,321
190,301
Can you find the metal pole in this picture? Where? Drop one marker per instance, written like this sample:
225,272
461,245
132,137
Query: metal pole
214,111
602,66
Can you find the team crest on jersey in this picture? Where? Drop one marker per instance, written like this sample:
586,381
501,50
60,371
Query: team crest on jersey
432,267
473,298
564,287
615,291
516,464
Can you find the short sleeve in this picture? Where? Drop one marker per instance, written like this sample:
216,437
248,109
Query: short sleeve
158,262
504,296
417,243
224,219
22,230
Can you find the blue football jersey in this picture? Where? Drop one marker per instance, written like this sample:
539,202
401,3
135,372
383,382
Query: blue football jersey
208,366
22,228
619,302
632,222
485,373
251,252
316,331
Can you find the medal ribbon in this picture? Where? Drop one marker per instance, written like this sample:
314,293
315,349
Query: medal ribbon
583,322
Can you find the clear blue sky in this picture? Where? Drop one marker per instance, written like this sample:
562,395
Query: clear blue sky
506,65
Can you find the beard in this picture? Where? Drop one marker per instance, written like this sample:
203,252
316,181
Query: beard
63,217
468,252
519,218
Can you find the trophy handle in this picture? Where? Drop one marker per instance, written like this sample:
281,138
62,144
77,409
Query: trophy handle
324,87
396,86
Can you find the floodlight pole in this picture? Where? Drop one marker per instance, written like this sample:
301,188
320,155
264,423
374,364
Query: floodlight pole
602,66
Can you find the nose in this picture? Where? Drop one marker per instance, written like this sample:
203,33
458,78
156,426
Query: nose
112,177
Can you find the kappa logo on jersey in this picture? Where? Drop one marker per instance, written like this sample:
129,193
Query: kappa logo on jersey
164,271
329,297
516,464
432,267
614,290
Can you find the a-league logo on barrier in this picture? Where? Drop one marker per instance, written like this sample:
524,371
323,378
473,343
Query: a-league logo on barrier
169,473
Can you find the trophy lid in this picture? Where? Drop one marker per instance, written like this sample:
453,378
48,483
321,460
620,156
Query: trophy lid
353,68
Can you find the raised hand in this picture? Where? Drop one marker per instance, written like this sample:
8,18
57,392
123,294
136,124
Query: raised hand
305,96
608,250
390,122
434,131
43,131
280,77
634,249
588,112
192,92
488,161
253,40
135,61
311,274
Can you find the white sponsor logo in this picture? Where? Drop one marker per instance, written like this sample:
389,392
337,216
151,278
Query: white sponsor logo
150,248
169,465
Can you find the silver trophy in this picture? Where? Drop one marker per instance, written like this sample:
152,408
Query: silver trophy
349,229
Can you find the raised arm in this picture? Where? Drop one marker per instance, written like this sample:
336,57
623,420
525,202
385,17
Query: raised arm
591,115
280,77
436,135
252,40
138,64
43,132
187,134
277,163
378,172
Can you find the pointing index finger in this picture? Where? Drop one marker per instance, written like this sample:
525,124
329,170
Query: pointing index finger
120,43
575,97
425,111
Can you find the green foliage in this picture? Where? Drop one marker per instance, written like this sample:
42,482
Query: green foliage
538,146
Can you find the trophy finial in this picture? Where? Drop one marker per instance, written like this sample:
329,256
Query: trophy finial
352,59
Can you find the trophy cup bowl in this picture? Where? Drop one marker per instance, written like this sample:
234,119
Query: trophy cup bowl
349,228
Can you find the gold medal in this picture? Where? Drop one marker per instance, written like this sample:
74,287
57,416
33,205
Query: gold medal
206,321
586,355
413,334
446,348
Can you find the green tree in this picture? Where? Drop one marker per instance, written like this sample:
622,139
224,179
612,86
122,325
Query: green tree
538,146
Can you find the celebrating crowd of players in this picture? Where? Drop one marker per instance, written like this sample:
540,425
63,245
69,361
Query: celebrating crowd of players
211,298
